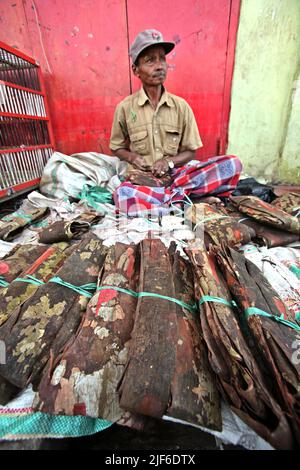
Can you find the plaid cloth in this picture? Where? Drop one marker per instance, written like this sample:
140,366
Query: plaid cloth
217,176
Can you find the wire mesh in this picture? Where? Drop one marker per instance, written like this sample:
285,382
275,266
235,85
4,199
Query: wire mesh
22,166
16,101
16,70
18,132
24,126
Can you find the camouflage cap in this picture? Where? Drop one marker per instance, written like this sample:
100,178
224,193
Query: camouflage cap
147,38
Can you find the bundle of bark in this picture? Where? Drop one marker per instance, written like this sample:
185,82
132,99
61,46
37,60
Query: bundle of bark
266,213
17,261
40,271
11,225
22,289
241,379
273,331
265,235
71,229
135,354
85,378
288,202
217,227
44,323
167,370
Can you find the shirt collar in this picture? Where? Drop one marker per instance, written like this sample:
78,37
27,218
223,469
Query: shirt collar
165,98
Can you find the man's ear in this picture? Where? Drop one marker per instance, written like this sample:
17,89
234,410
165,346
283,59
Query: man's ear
135,69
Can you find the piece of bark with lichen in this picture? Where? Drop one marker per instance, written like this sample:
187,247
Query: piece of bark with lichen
273,339
85,379
240,377
18,292
13,224
145,386
34,330
194,393
20,258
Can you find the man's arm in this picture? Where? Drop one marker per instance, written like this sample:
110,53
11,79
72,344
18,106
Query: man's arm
133,158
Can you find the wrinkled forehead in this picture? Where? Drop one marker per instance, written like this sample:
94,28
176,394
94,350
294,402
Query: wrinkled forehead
152,50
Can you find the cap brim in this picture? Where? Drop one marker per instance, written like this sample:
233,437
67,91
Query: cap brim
168,47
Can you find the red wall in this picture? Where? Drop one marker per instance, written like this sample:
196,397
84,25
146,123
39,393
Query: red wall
83,50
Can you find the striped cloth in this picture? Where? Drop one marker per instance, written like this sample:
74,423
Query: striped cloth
217,176
24,423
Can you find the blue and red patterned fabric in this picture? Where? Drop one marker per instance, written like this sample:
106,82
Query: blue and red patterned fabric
217,176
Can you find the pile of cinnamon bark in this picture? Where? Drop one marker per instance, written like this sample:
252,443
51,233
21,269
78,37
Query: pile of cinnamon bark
133,331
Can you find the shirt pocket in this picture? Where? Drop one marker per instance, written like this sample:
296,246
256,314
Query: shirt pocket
172,140
139,142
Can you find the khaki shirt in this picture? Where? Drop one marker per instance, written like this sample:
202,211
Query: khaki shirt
154,134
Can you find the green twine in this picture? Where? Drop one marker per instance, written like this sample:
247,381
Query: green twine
82,290
3,283
209,298
188,202
30,279
252,311
191,307
257,311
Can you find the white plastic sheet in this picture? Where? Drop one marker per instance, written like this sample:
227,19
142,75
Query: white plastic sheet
66,175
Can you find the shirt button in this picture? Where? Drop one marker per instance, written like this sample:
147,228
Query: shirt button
155,132
157,150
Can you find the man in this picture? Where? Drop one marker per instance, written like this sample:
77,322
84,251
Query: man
153,129
156,131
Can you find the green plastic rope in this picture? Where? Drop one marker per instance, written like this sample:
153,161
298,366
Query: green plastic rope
257,311
30,280
82,290
209,298
191,307
3,283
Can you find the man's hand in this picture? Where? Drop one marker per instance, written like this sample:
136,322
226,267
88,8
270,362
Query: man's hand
138,162
133,158
160,168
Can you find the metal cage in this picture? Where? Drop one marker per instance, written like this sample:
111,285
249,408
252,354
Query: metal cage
26,137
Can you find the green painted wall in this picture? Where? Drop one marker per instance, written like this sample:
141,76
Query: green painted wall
289,162
264,127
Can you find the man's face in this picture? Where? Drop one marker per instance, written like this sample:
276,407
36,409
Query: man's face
152,66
